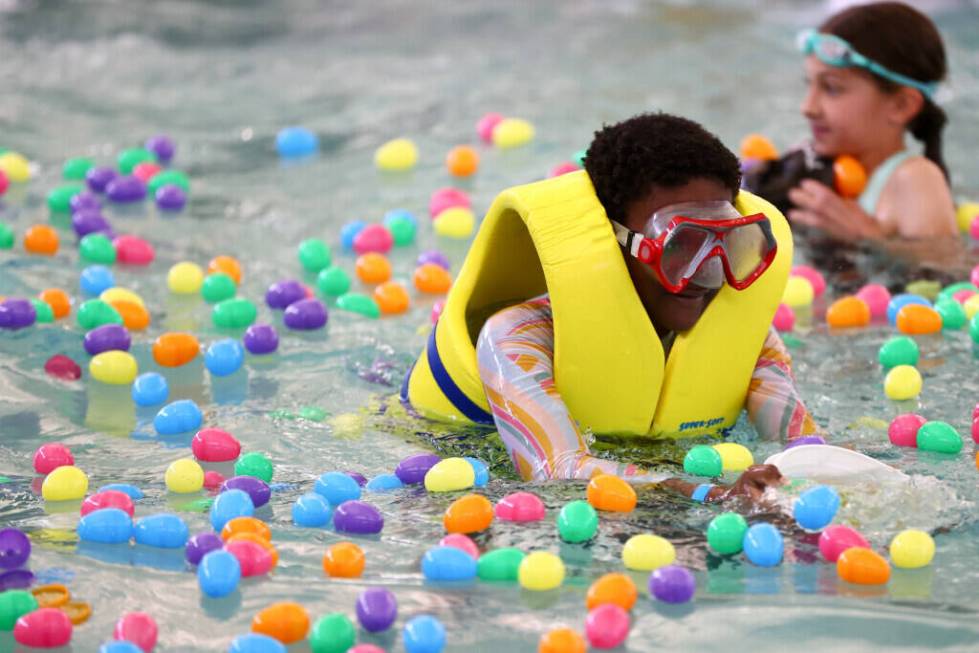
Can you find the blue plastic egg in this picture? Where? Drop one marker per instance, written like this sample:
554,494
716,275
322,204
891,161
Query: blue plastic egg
311,510
384,483
162,530
292,142
481,470
218,573
763,545
348,232
106,526
96,279
447,563
256,643
900,301
224,357
178,417
119,646
337,487
424,634
816,507
134,492
150,389
228,505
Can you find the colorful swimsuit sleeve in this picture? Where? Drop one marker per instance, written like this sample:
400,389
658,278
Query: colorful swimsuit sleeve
774,404
515,352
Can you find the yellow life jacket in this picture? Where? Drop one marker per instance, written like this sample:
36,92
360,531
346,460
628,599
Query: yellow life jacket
554,237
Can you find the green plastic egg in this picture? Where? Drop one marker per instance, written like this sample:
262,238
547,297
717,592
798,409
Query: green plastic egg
333,281
900,350
43,310
217,287
167,178
332,633
940,437
577,522
314,254
6,236
703,460
132,157
254,464
953,315
59,199
14,604
356,302
234,313
725,533
75,169
500,564
95,312
97,248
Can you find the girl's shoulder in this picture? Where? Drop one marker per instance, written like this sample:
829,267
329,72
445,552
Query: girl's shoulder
916,171
917,201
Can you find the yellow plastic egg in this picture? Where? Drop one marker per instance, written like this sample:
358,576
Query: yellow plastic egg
455,222
902,382
798,292
185,278
971,306
540,571
66,483
15,166
734,457
121,295
449,475
646,552
113,367
911,549
184,476
965,213
512,132
397,154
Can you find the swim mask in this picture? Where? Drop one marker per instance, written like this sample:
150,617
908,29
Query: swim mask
834,51
703,243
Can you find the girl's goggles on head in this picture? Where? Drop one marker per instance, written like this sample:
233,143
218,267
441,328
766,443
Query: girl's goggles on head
834,51
703,243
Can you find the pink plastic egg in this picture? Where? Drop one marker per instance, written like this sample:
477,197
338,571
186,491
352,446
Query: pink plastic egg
366,648
975,411
975,430
446,198
486,125
784,319
213,480
133,250
520,507
43,628
974,228
373,238
836,539
607,626
814,276
437,310
974,276
138,628
254,559
903,430
563,169
145,171
212,445
108,499
877,297
463,542
961,295
51,456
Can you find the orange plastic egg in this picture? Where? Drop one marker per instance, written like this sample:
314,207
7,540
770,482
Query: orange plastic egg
847,312
41,239
287,622
227,264
462,161
469,514
561,640
175,349
240,525
612,588
134,316
917,319
344,560
391,297
53,595
756,146
611,493
862,567
58,300
78,612
432,278
373,267
849,177
257,539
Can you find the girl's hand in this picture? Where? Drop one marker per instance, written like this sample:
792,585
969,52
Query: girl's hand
753,483
817,205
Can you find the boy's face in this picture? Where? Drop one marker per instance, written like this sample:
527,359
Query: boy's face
668,311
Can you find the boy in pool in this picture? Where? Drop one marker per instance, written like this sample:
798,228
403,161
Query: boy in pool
661,281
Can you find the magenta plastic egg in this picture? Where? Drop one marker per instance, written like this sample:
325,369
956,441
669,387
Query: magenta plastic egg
108,499
486,125
447,198
138,628
51,456
212,445
903,430
784,319
563,169
877,297
962,295
836,539
462,542
255,559
974,228
974,276
520,507
607,626
437,309
975,430
373,238
213,479
43,628
814,276
133,250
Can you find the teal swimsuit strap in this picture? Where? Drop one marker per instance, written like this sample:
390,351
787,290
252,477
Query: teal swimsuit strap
875,185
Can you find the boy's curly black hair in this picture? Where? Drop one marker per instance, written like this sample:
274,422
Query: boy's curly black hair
626,160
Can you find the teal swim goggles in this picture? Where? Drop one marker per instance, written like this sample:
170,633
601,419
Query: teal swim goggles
834,51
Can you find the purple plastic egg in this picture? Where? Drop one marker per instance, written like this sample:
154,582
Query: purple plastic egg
170,197
162,146
283,293
108,337
261,339
433,256
16,579
15,548
200,545
98,178
256,488
305,315
357,517
357,476
377,609
88,221
412,469
806,439
17,313
126,188
672,584
84,200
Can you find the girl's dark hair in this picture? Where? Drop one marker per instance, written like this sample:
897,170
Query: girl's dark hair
904,40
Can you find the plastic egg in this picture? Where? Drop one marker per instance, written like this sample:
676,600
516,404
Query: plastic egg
916,319
43,628
15,603
607,626
348,233
131,491
184,476
256,643
337,487
412,470
902,382
903,430
577,522
261,339
255,464
214,445
757,147
235,313
282,293
229,265
540,571
614,588
97,248
138,628
213,480
512,132
178,417
561,640
343,560
257,489
900,350
763,545
562,168
311,510
849,176
798,292
384,483
253,558
66,483
332,633
42,240
62,367
940,437
15,548
396,155
862,567
294,142
60,198
611,493
432,278
974,327
447,563
49,457
447,198
703,460
42,312
95,313
468,514
876,297
462,161
900,301
480,470
500,564
200,545
228,505
964,214
449,475
373,238
814,276
456,222
816,507
161,530
58,300
377,609
646,552
185,278
134,316
725,533
784,319
15,166
951,313
96,279
734,457
462,542
373,267
357,517
391,297
224,357
108,337
314,254
333,281
486,124
848,312
672,584
520,507
911,549
836,539
218,573
423,634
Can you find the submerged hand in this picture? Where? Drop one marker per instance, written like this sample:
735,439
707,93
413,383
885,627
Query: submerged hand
817,205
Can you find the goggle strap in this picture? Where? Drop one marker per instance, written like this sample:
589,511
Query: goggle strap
627,238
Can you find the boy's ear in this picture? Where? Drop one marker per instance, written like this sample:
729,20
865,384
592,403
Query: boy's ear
906,104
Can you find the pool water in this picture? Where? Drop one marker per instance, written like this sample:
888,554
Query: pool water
221,78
